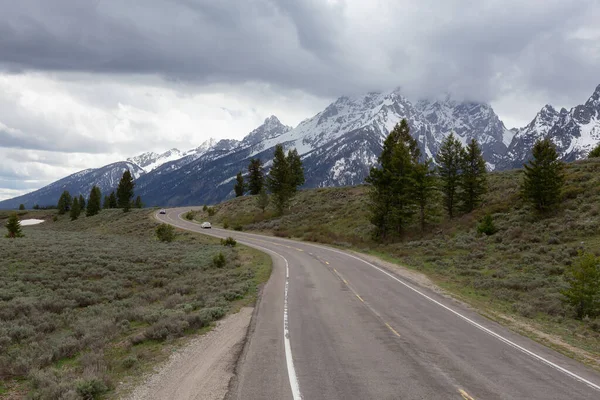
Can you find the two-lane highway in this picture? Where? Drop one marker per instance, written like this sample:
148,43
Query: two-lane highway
331,325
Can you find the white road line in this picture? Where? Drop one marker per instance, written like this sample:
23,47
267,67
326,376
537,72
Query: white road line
465,318
295,387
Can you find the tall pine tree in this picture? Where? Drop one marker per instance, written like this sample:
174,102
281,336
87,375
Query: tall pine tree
278,180
75,210
543,178
449,159
106,203
240,185
81,202
64,202
138,202
93,206
391,193
125,191
262,201
112,200
424,192
473,181
14,227
256,177
296,170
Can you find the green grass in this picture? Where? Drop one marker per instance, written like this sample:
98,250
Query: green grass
517,272
100,300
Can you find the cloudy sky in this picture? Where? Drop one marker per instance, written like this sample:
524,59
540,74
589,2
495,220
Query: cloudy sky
86,83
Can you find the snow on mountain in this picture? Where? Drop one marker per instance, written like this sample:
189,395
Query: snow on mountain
150,161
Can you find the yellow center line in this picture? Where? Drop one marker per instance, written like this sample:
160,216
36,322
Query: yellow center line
335,270
326,262
299,249
345,281
360,298
392,329
465,395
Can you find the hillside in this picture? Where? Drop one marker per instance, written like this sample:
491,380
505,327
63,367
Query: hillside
88,305
514,276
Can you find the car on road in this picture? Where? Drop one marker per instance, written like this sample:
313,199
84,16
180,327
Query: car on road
163,211
206,225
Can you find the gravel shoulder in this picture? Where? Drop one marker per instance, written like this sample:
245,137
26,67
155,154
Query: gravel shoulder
202,369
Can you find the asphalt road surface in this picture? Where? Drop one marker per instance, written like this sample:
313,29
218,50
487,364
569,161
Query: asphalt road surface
333,326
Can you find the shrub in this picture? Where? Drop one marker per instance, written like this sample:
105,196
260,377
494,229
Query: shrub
165,233
583,293
230,242
238,227
219,260
211,211
225,225
189,215
486,226
205,208
129,362
91,389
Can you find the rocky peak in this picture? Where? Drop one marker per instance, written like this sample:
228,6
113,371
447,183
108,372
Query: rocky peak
271,128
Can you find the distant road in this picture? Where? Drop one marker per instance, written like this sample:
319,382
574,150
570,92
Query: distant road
341,328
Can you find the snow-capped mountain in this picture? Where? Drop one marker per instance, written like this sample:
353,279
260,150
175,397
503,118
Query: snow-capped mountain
106,178
339,145
150,161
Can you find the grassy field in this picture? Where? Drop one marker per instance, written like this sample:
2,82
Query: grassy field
514,276
85,305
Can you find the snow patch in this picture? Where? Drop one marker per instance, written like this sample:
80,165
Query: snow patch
33,221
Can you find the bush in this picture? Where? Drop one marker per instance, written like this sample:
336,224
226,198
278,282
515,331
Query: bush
238,227
230,242
165,233
225,225
583,293
211,211
486,226
91,389
205,208
219,260
189,215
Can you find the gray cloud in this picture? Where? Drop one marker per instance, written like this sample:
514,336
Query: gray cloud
475,48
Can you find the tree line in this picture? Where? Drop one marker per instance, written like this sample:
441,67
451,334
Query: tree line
285,177
122,198
406,188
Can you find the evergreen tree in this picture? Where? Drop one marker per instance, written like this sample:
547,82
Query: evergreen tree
278,180
424,191
138,202
240,186
391,195
256,177
106,203
93,206
125,191
75,210
81,202
543,177
262,201
449,160
296,170
21,206
64,202
473,181
595,153
583,293
14,227
112,200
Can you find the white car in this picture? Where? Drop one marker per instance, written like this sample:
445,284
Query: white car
206,225
163,211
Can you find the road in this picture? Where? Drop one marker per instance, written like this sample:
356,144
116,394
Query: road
331,325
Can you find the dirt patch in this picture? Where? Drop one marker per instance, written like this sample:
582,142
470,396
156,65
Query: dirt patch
203,368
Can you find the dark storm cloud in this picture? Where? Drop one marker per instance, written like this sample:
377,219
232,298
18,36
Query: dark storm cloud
17,140
474,48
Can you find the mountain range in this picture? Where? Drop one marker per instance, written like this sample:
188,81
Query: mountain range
338,146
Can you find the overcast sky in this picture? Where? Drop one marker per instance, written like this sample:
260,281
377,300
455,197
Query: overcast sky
86,83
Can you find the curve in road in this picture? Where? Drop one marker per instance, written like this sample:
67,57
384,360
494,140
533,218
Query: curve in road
354,330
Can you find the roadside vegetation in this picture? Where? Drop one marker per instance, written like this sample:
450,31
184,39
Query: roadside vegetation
86,304
517,256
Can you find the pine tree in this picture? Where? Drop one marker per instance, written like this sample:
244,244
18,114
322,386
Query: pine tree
64,202
93,206
296,169
262,201
449,167
543,178
240,186
81,202
75,210
583,293
125,191
473,181
138,202
256,177
391,195
595,153
106,203
21,206
424,191
14,227
278,180
112,200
